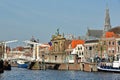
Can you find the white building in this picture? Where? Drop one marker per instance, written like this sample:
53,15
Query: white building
80,50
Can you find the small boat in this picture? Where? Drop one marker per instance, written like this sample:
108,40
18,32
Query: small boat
22,63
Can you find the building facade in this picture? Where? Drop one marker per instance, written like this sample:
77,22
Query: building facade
91,49
59,45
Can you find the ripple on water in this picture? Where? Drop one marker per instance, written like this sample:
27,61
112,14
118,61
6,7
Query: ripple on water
25,74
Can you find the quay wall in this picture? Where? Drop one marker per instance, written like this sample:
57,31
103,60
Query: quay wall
89,67
64,66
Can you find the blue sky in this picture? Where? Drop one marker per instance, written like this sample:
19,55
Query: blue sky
22,19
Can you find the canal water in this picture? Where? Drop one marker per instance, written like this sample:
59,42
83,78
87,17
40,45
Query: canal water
25,74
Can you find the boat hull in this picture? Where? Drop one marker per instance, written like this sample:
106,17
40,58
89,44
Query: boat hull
109,69
22,65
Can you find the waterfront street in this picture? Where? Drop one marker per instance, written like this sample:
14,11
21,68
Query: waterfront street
25,74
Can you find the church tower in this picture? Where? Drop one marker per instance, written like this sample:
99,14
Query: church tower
107,24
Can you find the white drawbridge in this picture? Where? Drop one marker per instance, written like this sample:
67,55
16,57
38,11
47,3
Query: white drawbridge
5,45
35,49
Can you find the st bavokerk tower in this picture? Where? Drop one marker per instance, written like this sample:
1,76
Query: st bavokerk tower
107,25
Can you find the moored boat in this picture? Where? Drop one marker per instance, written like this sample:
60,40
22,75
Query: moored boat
109,67
22,63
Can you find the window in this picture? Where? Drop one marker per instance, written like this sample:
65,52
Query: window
113,43
70,57
79,53
104,43
82,53
55,58
81,48
113,51
90,48
109,51
109,42
118,42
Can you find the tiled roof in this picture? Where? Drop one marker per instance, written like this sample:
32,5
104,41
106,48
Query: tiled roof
116,30
95,33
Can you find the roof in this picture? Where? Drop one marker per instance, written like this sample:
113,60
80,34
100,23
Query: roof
57,37
95,33
74,43
116,30
109,34
91,41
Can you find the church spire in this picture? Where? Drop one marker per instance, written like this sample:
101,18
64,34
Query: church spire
107,24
